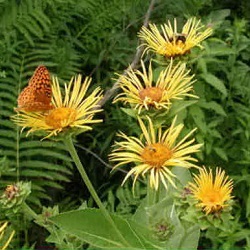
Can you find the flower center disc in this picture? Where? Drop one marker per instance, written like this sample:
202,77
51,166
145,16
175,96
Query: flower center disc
212,197
156,154
60,117
153,94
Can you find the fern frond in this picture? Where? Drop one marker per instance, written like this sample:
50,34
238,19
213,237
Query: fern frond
42,166
25,17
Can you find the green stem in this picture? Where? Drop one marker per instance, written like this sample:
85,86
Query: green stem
151,194
71,148
152,197
28,211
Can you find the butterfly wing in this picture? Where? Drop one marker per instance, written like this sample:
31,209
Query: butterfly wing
37,95
40,82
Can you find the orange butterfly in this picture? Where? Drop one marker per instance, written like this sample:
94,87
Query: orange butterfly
37,95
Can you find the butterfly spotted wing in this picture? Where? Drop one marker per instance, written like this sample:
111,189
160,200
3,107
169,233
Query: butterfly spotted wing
37,95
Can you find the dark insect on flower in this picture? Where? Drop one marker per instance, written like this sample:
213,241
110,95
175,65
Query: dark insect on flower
178,37
166,40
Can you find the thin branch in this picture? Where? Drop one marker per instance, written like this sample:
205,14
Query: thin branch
102,161
109,93
99,158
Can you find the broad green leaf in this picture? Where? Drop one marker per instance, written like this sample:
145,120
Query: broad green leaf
191,239
91,226
182,234
215,82
183,174
146,236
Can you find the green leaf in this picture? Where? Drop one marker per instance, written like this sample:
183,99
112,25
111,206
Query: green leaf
91,226
179,233
217,16
215,133
131,112
217,108
199,117
191,239
218,48
221,153
215,82
248,205
183,174
179,107
35,173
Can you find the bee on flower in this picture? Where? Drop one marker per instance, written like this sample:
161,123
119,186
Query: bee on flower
168,42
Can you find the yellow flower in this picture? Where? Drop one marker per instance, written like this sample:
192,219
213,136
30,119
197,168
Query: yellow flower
156,153
211,193
169,43
71,111
140,90
5,237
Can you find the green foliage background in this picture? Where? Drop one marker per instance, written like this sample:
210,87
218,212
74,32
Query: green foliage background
99,38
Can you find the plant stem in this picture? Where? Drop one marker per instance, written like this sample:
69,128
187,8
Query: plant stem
150,194
71,148
29,211
152,197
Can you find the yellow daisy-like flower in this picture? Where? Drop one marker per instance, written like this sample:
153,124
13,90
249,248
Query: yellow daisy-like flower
211,193
71,111
156,153
140,90
169,43
5,237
